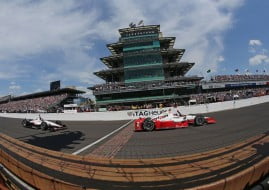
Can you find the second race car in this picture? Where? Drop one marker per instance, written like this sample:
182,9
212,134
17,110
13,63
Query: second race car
43,124
168,121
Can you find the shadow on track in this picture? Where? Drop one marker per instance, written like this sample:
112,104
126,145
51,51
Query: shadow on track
62,140
262,150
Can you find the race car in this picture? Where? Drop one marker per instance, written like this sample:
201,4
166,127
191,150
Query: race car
40,123
166,121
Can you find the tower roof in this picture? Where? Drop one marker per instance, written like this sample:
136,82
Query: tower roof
139,28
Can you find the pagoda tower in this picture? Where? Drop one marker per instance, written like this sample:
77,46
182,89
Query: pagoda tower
144,68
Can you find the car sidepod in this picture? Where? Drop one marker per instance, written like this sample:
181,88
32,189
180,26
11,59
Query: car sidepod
170,124
138,124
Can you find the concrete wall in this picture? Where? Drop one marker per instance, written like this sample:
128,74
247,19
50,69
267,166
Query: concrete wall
132,114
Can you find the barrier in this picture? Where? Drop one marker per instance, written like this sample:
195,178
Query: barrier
260,170
132,114
33,177
142,171
240,180
218,185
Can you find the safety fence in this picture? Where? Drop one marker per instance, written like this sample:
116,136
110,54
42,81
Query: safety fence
132,114
233,167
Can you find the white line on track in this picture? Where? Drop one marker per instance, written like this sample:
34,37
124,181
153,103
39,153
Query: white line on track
101,139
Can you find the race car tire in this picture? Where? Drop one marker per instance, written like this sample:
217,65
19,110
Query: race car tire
148,124
44,126
24,123
199,120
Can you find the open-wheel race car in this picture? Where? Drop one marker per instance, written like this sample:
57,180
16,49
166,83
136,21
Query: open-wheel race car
40,123
171,121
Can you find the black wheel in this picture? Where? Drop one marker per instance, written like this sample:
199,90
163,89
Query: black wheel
44,126
24,123
148,124
199,120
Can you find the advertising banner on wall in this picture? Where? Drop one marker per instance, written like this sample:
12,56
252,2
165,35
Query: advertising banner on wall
146,113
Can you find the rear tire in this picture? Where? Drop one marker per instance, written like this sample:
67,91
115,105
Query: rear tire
24,123
44,126
199,120
148,124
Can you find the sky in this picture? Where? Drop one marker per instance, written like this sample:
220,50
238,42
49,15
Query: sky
47,40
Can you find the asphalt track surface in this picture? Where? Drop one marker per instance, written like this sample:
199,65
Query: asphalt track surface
232,126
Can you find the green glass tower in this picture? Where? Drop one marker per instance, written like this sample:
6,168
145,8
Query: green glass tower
144,68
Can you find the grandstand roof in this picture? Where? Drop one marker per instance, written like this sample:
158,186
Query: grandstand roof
48,93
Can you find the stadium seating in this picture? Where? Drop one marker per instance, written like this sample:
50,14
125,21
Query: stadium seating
32,105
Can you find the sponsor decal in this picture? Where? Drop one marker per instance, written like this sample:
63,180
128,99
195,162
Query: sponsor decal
146,113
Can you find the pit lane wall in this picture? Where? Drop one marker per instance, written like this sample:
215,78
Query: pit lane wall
133,114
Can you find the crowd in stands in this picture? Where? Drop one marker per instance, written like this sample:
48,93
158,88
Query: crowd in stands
118,87
229,95
232,78
41,104
201,98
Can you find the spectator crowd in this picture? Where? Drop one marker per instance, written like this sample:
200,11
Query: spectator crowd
228,95
201,98
119,87
232,78
41,104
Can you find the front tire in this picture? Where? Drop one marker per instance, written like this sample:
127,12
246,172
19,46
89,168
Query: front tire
44,126
199,120
148,124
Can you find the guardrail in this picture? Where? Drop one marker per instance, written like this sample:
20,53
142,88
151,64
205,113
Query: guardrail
228,168
132,114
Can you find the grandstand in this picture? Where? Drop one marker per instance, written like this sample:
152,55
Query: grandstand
144,68
46,101
230,87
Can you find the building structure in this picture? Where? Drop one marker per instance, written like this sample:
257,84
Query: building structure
144,68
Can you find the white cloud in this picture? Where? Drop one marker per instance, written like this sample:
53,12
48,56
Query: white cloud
221,59
199,26
39,27
14,87
258,59
255,43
